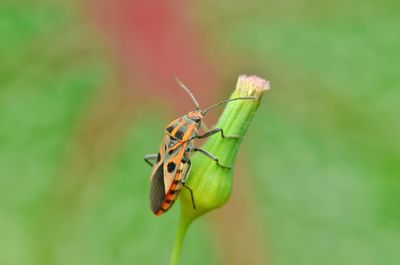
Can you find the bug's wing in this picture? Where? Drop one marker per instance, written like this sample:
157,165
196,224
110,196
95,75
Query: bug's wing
172,163
157,189
161,152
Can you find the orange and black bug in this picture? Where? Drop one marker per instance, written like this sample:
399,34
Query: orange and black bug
172,163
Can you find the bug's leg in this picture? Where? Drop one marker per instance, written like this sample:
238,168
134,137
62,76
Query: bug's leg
191,194
217,130
204,152
183,181
187,172
152,157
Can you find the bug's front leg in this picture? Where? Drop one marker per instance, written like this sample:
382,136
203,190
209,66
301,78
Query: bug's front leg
148,158
211,156
217,130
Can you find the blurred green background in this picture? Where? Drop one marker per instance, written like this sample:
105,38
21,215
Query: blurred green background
317,181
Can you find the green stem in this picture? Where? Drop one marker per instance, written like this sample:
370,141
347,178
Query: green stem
183,226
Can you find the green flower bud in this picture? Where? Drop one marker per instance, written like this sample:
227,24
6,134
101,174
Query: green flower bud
212,184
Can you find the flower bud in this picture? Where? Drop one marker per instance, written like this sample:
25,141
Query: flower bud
212,184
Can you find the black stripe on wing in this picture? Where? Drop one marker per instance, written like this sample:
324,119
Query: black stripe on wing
157,189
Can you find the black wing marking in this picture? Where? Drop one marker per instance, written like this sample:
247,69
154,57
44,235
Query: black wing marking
172,165
157,189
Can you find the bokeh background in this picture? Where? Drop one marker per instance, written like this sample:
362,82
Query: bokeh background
86,88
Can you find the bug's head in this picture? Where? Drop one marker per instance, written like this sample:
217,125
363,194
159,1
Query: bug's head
195,116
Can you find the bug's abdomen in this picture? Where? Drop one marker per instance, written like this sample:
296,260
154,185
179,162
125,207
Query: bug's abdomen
173,191
170,197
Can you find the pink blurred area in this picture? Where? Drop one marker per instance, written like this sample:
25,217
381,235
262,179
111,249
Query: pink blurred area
154,41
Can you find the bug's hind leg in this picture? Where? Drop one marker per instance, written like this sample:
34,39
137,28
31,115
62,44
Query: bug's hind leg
191,194
217,130
183,181
211,156
149,158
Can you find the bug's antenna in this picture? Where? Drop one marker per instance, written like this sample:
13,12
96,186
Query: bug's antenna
188,91
223,102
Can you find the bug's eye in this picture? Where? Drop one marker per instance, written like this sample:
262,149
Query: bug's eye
197,118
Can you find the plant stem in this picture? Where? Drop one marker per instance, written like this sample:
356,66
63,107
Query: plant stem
183,226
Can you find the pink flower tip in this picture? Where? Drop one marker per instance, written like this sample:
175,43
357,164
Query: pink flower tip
251,85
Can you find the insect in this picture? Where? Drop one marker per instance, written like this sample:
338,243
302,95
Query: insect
171,165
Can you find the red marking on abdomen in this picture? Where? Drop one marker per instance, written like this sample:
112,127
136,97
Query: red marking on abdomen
169,199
